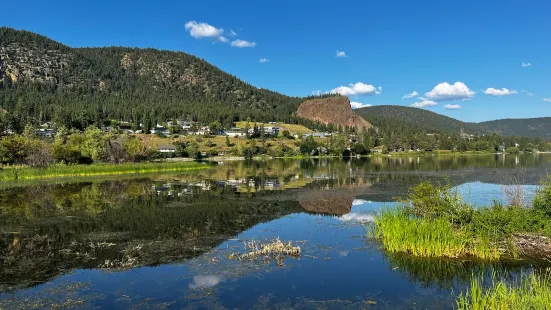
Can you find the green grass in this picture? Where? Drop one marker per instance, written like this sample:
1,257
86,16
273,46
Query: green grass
62,171
430,237
529,292
433,220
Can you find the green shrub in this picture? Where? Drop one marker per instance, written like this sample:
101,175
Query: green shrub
436,200
542,200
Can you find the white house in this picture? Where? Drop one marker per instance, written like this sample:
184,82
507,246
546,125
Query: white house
169,148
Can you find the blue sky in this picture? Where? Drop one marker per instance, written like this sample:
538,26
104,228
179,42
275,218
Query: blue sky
391,48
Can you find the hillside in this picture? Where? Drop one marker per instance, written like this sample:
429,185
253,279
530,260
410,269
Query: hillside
529,127
423,120
334,110
41,80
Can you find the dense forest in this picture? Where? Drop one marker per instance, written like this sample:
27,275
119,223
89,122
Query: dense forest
42,80
421,119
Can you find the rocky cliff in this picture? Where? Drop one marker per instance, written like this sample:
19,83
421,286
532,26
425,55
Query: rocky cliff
334,110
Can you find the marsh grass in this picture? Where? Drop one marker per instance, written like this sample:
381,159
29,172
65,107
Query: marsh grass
61,171
430,237
531,291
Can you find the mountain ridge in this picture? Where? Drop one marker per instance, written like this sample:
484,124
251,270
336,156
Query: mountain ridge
432,121
44,80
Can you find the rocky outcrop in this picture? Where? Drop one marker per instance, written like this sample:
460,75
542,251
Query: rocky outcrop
334,110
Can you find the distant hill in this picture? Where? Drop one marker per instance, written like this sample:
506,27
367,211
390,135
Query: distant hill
335,110
41,79
425,120
528,127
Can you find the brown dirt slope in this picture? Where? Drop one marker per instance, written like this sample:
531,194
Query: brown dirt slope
332,110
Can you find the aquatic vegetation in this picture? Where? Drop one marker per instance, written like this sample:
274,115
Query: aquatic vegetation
60,171
531,291
434,221
428,237
274,250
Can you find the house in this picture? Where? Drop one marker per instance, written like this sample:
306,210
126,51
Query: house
272,131
45,133
235,132
169,148
159,129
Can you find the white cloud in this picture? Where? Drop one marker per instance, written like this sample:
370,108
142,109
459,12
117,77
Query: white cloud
233,33
316,92
500,92
450,92
223,39
341,54
526,64
356,89
242,43
264,60
452,106
357,105
204,281
203,30
546,99
409,96
529,94
424,103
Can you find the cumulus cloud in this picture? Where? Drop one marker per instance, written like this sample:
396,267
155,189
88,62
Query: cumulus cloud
411,95
357,89
452,106
423,103
316,92
526,64
546,99
357,105
204,281
242,43
450,92
341,54
500,92
264,60
223,39
203,30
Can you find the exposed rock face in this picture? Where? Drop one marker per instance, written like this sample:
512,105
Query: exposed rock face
32,63
332,110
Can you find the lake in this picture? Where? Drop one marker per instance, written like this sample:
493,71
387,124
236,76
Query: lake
164,241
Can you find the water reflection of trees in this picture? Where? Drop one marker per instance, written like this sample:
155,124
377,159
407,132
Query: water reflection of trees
60,228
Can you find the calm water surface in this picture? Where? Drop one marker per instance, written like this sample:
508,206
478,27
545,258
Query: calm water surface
163,241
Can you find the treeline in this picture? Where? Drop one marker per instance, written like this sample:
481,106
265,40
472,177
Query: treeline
72,147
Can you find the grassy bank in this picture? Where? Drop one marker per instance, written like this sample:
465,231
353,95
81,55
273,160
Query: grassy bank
62,171
529,292
434,221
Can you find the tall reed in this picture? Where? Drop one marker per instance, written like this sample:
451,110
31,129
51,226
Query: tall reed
430,237
531,291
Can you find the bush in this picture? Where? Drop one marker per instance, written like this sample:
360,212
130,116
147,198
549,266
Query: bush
430,200
542,200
